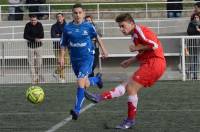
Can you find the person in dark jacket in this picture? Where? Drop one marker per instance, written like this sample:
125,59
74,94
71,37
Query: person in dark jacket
56,32
89,18
193,46
174,9
33,33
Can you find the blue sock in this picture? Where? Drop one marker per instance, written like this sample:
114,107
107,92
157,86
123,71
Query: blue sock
80,97
94,80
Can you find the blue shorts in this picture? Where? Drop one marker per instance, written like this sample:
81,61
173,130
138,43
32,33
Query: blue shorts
82,68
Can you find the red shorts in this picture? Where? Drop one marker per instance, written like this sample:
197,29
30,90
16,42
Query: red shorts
150,71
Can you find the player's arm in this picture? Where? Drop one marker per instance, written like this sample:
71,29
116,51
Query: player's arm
94,34
139,47
102,47
128,62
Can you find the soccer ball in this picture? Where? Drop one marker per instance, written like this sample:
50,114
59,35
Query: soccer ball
35,94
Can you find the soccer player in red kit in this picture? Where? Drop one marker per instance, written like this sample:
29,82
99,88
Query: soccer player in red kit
152,66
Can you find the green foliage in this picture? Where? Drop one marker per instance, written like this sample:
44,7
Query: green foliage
3,2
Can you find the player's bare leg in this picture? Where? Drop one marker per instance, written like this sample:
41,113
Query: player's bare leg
115,92
132,89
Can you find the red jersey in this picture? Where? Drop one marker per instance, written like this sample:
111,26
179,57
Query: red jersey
145,36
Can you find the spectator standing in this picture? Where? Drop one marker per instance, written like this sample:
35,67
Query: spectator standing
33,33
34,10
174,9
89,18
13,8
193,46
56,32
43,9
196,9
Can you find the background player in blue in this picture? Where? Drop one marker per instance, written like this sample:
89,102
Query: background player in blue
77,38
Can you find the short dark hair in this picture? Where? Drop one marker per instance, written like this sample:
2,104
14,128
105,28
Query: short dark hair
195,14
89,16
197,4
59,14
77,5
124,17
33,16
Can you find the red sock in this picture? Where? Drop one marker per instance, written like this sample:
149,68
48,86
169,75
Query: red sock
132,107
106,95
131,111
115,92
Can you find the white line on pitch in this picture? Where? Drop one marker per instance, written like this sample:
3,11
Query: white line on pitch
66,120
30,113
37,113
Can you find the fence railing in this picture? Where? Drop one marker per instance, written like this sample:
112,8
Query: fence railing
15,66
20,63
103,10
108,28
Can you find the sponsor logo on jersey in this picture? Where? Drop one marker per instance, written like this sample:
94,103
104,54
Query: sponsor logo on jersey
77,30
69,32
78,44
85,32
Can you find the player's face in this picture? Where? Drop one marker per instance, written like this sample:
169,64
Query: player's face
78,15
89,19
60,18
196,18
34,21
126,27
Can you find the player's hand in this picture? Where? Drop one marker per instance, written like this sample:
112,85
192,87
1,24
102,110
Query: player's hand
187,53
132,48
104,54
126,63
58,35
37,40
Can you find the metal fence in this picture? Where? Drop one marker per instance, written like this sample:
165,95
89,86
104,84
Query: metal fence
192,58
22,64
109,28
103,10
16,67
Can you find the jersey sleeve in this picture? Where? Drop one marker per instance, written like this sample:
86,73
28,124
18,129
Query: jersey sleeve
148,38
92,31
64,40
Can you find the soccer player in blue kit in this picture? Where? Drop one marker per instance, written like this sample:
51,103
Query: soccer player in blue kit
77,37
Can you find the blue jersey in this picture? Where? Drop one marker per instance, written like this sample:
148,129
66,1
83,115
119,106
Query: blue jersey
77,38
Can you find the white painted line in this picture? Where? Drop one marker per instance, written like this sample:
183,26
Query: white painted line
107,111
30,113
66,120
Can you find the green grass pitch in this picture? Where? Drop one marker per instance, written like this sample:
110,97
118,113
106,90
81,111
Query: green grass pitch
168,106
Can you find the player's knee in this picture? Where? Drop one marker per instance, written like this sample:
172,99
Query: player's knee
132,88
81,82
87,84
